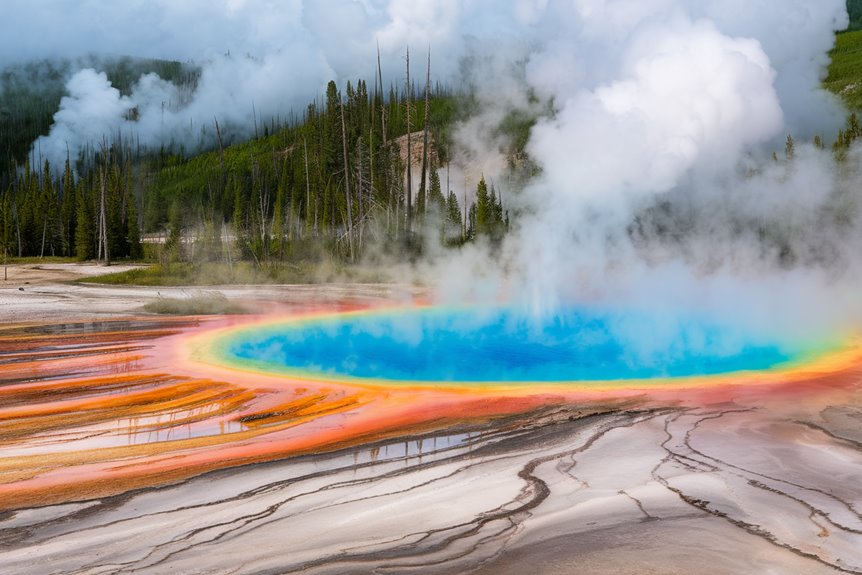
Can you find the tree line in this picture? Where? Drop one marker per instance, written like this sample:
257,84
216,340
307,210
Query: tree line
335,180
91,217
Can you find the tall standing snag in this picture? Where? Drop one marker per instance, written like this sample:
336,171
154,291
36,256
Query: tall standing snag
103,221
386,161
346,183
423,187
409,158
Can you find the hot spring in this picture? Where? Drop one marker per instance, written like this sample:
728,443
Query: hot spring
499,345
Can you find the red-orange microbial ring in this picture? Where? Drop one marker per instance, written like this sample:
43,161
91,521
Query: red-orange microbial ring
497,348
89,411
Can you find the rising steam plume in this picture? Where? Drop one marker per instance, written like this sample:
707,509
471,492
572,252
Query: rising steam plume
657,120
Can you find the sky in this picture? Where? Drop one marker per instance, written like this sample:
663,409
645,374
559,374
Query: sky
275,56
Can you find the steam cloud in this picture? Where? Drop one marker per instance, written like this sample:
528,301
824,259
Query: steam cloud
665,115
657,187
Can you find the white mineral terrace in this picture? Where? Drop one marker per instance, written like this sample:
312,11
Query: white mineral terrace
727,489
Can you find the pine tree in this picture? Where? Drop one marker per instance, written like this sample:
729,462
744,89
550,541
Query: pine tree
436,199
47,205
498,226
117,230
278,223
85,234
68,215
6,225
453,219
484,210
174,243
240,215
133,233
853,128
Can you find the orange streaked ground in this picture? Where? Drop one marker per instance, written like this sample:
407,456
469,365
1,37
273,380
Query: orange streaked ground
93,409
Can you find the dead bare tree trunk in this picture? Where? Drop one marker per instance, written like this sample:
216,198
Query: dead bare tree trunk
262,188
387,188
17,227
226,246
317,199
99,225
221,155
359,191
347,185
423,186
409,158
103,221
464,225
254,118
44,230
15,209
308,186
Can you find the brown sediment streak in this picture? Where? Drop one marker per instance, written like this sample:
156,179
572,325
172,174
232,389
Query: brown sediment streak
88,410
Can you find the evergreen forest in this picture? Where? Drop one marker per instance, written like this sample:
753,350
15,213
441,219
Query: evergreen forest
360,172
359,167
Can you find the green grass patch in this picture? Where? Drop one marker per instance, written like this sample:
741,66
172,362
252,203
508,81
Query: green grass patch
845,71
37,260
139,276
240,273
202,304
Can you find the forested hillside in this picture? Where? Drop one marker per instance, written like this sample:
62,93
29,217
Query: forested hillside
845,71
30,94
358,167
360,170
854,8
